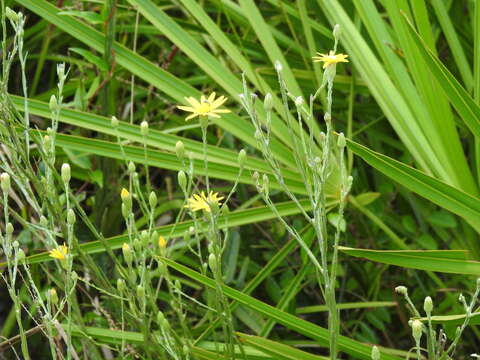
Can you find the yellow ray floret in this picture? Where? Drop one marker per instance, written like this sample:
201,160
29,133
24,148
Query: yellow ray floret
203,202
60,252
205,107
330,58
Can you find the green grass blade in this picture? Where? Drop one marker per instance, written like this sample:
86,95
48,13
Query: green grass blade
429,260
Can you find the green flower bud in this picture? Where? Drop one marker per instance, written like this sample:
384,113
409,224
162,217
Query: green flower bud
11,15
428,305
52,296
140,292
20,256
61,71
114,122
180,149
152,199
268,102
417,330
125,211
47,142
162,268
5,182
375,353
144,128
53,104
278,66
120,285
212,262
402,290
71,217
127,253
66,173
131,167
137,244
182,180
9,229
242,156
266,184
341,142
337,31
126,198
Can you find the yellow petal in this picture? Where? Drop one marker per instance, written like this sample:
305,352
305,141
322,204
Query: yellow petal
192,101
191,116
211,97
186,108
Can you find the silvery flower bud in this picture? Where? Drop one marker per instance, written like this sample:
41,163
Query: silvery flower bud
402,290
9,229
20,256
268,102
375,355
131,167
5,182
66,173
180,149
61,70
341,142
428,305
120,285
278,66
417,330
144,128
337,31
114,122
212,262
242,155
152,199
71,218
53,104
182,180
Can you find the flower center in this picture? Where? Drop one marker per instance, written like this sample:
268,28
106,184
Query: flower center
204,108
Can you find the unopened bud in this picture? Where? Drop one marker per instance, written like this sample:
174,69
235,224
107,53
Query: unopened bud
61,70
20,256
242,155
182,180
114,122
52,296
375,355
152,199
9,229
268,102
53,104
127,253
120,285
428,305
337,31
11,15
71,218
140,292
266,184
298,101
327,117
180,149
212,262
66,173
47,142
402,290
417,330
144,128
131,167
162,243
341,142
278,66
126,197
5,182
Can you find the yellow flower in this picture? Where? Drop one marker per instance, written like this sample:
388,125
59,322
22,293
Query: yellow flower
59,253
203,202
330,58
162,243
124,194
205,107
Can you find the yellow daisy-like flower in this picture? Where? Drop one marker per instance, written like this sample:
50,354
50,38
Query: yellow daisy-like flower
330,58
59,253
205,107
203,202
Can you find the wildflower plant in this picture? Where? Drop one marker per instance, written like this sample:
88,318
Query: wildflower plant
316,160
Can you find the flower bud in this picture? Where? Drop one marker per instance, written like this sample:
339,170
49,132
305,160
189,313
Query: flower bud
144,128
20,256
61,71
180,149
126,198
5,182
114,122
327,117
11,15
131,167
162,268
47,142
375,355
66,173
140,292
242,155
417,330
182,180
120,285
278,66
268,102
341,142
9,229
137,244
428,305
52,296
266,184
162,243
298,101
212,262
71,218
53,104
337,31
402,290
152,199
127,253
